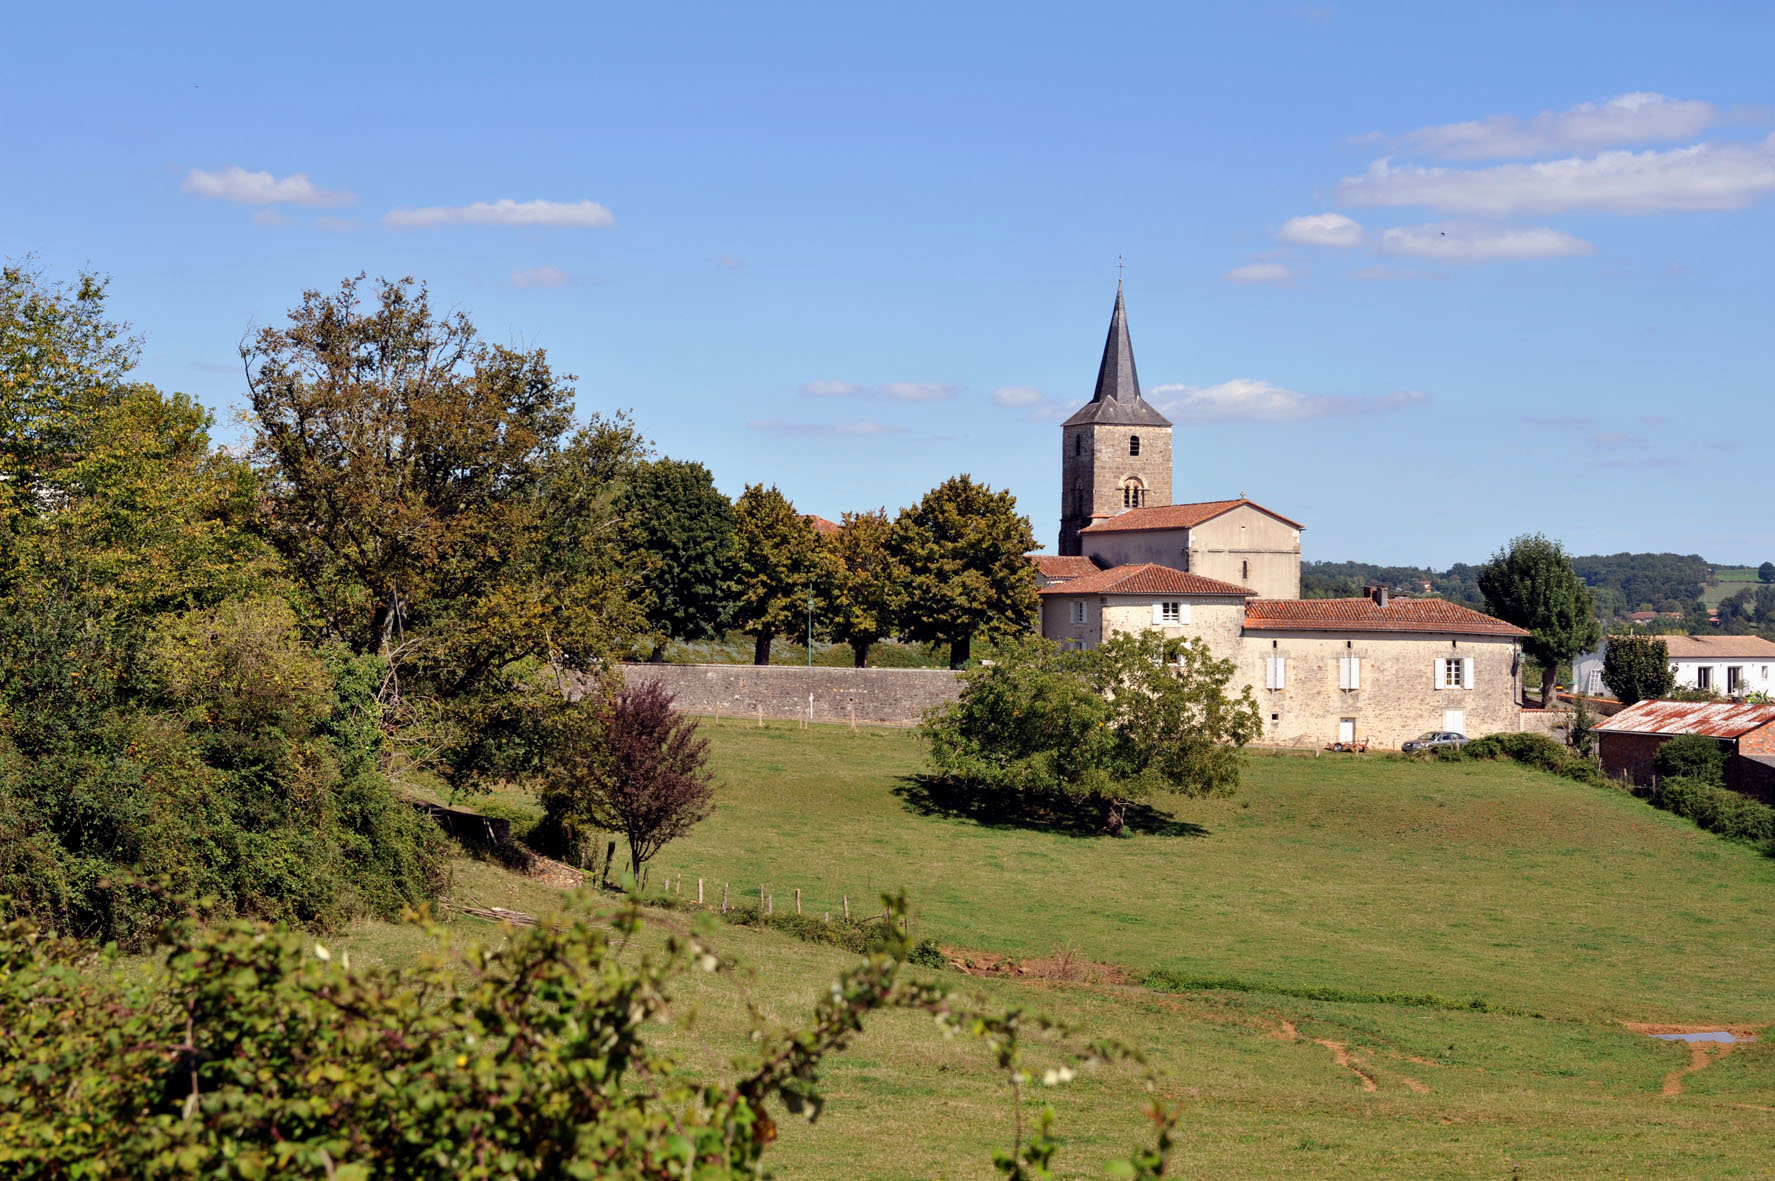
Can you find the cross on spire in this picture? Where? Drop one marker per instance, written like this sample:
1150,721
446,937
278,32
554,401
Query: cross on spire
1118,272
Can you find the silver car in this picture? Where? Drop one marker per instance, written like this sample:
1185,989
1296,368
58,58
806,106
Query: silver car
1433,739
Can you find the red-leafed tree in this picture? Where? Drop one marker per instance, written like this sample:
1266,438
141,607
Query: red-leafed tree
631,764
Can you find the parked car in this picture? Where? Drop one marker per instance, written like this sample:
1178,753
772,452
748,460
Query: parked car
1434,739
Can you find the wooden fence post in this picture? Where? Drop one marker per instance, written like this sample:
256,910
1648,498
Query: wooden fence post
699,891
797,899
723,897
847,907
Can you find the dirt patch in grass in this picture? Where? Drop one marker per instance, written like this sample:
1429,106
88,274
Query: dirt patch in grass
1660,1029
1064,965
1701,1054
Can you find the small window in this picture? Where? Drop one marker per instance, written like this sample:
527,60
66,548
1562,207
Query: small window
1132,494
1133,444
1704,677
1244,571
1078,444
1170,612
1078,611
1734,678
1452,671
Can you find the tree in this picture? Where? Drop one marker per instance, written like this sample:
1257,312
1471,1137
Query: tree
685,527
1766,572
1106,726
426,494
1531,583
963,550
1636,668
778,563
1692,756
863,606
631,764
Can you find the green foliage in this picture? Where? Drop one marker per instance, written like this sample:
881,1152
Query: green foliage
1635,668
864,605
1108,725
963,549
426,494
255,1052
1165,980
1717,809
1692,756
1766,572
779,563
1531,750
1531,583
685,528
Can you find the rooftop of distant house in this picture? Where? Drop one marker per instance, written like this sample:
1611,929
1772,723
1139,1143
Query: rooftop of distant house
1177,516
1142,578
1056,567
823,526
1377,612
1716,719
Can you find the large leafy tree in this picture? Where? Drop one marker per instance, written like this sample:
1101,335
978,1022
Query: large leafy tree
1106,726
778,564
1532,584
684,526
1635,668
427,494
864,604
963,549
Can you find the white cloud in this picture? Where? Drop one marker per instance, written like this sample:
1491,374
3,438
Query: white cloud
1321,229
917,391
831,389
778,426
543,276
1246,399
1706,176
1636,118
1452,241
1260,272
505,212
1018,395
236,184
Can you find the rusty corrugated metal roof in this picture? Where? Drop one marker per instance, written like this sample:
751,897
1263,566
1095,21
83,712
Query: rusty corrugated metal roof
1716,719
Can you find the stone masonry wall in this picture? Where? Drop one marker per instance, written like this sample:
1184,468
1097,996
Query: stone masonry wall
891,696
1093,465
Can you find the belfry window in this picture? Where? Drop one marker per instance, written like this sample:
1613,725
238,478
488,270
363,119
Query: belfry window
1131,494
1133,444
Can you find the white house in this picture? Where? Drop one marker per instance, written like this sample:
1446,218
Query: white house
1729,665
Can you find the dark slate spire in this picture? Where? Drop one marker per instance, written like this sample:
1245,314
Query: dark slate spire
1118,399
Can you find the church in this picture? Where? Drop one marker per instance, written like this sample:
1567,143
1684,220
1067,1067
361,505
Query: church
1377,669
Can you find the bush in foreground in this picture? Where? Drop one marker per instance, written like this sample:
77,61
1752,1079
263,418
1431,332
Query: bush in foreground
257,1053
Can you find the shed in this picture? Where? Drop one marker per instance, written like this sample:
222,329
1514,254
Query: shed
1629,741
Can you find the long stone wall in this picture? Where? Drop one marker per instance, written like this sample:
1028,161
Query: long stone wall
878,696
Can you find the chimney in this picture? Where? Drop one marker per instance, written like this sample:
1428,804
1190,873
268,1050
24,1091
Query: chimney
1379,595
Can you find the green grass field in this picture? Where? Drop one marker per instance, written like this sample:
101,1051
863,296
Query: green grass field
1360,874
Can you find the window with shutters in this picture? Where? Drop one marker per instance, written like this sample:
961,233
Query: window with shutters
1133,444
1454,672
1170,612
1349,672
1275,672
1078,611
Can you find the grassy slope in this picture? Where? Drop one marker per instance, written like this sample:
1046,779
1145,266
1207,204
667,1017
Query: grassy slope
1577,903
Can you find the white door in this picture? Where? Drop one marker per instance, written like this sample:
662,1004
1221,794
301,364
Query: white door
1346,730
1454,720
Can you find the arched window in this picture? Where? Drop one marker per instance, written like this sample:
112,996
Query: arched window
1132,494
1078,444
1133,444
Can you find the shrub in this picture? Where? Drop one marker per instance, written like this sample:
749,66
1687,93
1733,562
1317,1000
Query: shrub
1717,809
258,1053
1692,756
1533,750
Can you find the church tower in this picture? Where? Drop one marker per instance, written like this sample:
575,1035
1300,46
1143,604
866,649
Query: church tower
1116,450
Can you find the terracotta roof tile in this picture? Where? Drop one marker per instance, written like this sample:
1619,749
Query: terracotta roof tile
1719,648
1716,719
1366,615
1146,578
1056,567
1176,516
823,526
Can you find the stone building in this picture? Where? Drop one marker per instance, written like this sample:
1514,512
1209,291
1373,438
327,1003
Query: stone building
1228,571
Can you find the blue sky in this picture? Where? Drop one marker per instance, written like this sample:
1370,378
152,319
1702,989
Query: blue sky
1421,276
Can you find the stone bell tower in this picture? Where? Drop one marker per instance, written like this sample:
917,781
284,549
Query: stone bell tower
1116,450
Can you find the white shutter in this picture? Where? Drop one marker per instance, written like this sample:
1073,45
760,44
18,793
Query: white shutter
1275,673
1349,672
1441,673
1466,672
1158,614
1355,672
1183,612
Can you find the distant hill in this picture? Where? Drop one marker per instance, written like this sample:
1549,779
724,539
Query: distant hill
1620,582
